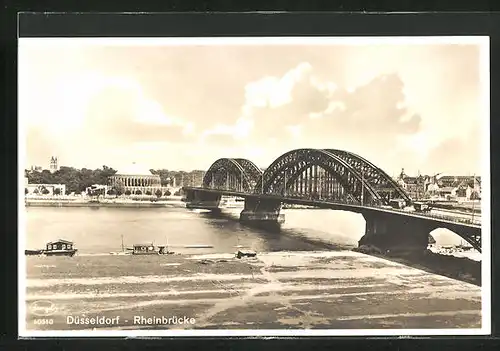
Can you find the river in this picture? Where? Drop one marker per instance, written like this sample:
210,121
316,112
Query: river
100,230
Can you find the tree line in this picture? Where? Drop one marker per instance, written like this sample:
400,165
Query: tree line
78,180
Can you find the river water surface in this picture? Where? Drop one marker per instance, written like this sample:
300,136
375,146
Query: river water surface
100,230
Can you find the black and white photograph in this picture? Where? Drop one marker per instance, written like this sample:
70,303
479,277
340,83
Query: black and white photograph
254,186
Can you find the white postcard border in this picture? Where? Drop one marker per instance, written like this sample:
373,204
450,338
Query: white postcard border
483,41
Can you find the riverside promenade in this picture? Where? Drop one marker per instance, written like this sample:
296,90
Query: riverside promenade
138,202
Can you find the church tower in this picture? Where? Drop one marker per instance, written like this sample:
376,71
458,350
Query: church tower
53,164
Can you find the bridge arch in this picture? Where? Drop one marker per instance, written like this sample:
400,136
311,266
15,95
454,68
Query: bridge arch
236,174
253,172
380,181
329,174
451,233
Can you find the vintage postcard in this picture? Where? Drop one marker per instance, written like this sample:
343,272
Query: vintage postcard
254,186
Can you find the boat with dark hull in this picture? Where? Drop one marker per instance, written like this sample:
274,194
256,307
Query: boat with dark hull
141,249
33,252
245,253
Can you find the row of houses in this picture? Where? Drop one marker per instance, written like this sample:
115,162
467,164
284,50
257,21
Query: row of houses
441,186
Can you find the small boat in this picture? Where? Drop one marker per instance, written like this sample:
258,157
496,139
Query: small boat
163,250
122,252
245,253
59,248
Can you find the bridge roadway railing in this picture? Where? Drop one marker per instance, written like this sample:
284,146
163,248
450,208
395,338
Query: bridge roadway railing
455,219
320,200
432,215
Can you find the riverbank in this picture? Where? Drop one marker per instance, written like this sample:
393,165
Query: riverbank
460,268
125,203
275,290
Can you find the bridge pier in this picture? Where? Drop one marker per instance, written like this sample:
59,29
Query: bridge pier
199,199
262,213
394,232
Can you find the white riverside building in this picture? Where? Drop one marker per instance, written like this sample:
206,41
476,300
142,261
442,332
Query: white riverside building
38,189
138,180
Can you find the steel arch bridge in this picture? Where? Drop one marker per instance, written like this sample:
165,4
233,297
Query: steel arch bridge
318,174
237,174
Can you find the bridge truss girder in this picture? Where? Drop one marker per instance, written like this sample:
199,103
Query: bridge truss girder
298,170
232,174
347,176
380,181
328,174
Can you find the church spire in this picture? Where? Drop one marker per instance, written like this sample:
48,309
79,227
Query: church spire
402,175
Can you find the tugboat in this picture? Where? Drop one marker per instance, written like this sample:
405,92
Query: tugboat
59,248
142,249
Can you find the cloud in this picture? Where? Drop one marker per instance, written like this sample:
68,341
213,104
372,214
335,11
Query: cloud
123,114
201,84
240,130
278,105
454,155
272,91
271,112
300,110
97,113
300,104
376,109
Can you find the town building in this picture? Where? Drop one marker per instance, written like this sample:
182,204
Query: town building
414,186
441,186
137,180
459,187
44,189
36,168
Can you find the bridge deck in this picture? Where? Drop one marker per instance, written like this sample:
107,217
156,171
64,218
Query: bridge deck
346,206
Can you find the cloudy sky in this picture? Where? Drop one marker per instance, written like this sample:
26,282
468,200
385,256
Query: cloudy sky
181,107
